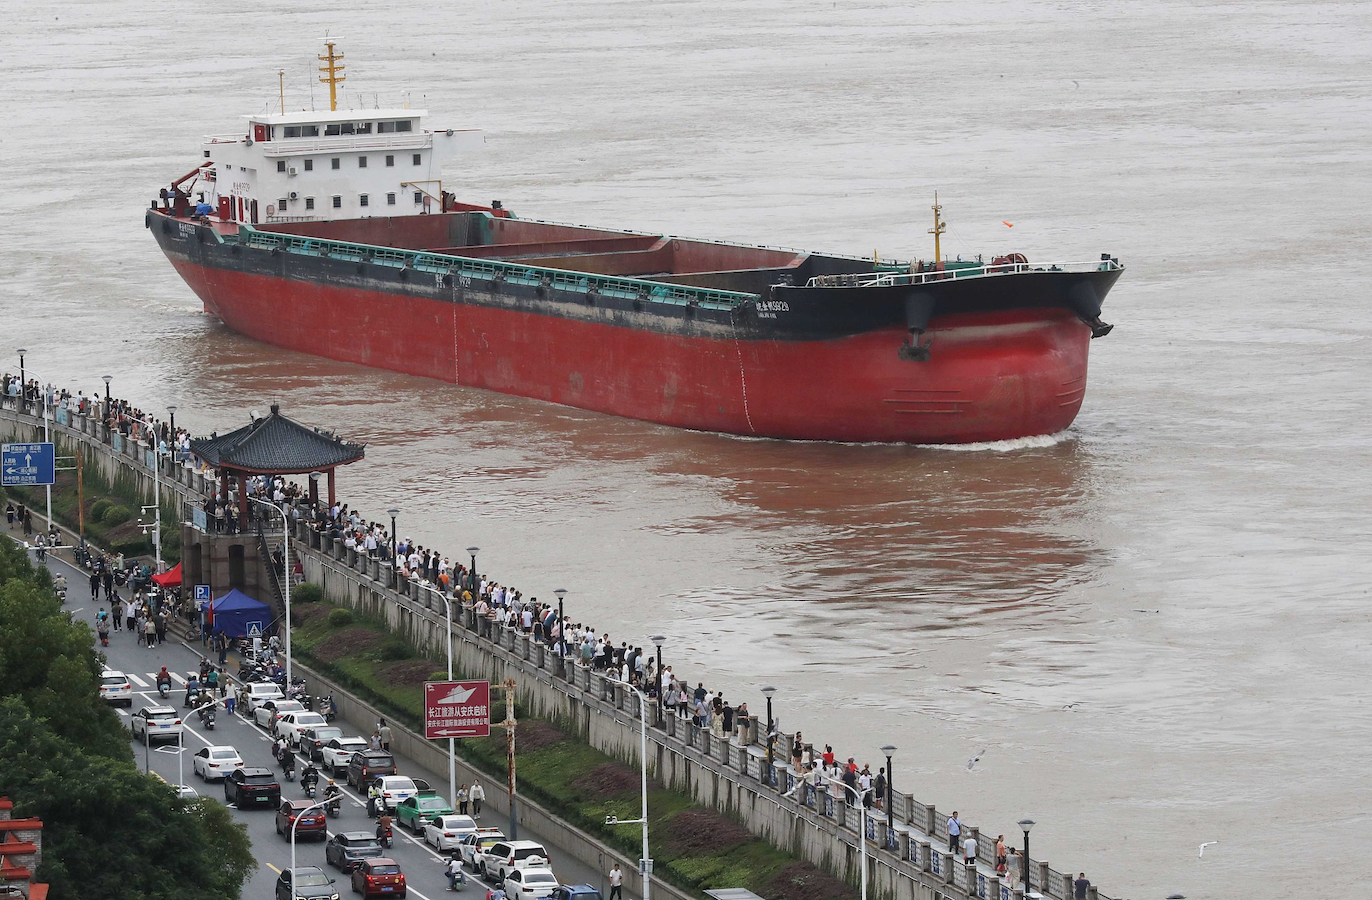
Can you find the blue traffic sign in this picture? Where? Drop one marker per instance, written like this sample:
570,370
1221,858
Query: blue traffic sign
26,464
202,593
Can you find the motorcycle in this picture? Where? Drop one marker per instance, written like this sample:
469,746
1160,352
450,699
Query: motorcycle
334,805
308,785
104,632
193,696
456,880
383,834
163,685
207,717
288,764
327,708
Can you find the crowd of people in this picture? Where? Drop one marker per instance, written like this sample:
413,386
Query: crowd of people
818,774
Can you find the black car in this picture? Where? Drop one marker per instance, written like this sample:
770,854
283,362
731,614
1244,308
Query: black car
310,882
346,849
314,738
250,788
368,764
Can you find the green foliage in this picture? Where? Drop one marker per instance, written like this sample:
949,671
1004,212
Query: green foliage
115,514
109,830
306,593
341,618
390,650
98,508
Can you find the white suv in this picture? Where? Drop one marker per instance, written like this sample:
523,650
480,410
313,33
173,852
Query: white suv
505,856
153,723
260,692
115,688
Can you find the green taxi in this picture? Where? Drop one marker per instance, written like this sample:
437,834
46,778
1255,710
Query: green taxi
417,811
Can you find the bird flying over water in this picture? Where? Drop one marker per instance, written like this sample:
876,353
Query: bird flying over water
974,760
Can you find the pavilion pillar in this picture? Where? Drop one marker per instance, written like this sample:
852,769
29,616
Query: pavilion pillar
223,484
242,501
332,496
314,492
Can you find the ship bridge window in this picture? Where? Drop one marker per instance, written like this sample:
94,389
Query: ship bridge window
404,125
385,128
331,130
361,128
295,131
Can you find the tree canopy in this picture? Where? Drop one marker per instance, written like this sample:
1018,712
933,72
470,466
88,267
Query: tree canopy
109,830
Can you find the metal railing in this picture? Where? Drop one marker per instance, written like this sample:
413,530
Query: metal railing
963,270
441,264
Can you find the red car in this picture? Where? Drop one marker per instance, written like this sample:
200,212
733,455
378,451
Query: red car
379,877
311,823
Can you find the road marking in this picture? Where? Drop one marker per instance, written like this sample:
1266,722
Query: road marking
273,868
176,676
136,680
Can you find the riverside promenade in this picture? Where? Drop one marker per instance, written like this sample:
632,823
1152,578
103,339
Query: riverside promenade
908,859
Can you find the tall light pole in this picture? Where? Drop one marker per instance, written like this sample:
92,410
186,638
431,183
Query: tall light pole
561,594
294,822
393,512
107,379
1025,825
657,640
767,692
286,564
171,411
181,745
23,383
646,864
448,642
473,551
156,494
858,795
889,749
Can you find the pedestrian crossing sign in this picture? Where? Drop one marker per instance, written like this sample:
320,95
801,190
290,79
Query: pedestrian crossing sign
255,629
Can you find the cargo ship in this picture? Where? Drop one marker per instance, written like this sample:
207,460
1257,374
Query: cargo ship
331,233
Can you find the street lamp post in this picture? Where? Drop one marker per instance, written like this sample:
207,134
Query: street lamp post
107,379
448,641
646,863
889,749
181,745
858,796
393,512
171,411
296,821
23,383
767,692
473,551
156,495
1025,825
657,640
286,564
561,594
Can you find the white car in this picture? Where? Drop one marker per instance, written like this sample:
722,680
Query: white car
260,692
529,884
339,752
185,791
115,688
395,788
505,856
290,725
446,832
473,845
268,711
215,763
155,723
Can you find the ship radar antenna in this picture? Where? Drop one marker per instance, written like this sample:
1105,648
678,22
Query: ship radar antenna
939,227
331,70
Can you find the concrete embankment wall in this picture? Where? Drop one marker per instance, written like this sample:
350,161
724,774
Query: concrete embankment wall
904,862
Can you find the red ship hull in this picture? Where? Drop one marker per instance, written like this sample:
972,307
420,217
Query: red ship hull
992,375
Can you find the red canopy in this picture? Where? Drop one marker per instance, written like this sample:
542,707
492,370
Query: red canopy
169,578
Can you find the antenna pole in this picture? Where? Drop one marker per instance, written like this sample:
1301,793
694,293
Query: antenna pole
938,229
281,82
331,70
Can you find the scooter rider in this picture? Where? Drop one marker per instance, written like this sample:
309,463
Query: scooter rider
309,778
333,796
383,830
454,871
164,680
375,803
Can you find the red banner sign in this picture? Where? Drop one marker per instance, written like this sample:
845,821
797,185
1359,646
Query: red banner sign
457,709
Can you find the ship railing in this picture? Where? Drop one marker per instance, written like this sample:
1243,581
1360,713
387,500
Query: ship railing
442,265
413,140
964,270
225,138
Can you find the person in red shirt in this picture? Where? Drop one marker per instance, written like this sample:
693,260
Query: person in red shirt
828,756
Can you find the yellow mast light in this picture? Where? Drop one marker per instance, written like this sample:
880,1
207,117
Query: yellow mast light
939,227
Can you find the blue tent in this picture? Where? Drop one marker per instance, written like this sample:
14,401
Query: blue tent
237,615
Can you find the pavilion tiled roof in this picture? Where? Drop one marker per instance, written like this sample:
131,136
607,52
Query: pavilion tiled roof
275,444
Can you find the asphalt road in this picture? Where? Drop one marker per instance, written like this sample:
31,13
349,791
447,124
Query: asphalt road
422,866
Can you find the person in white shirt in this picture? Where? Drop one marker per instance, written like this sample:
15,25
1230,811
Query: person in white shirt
969,850
616,883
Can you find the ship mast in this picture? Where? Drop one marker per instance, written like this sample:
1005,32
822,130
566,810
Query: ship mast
281,86
331,70
939,227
